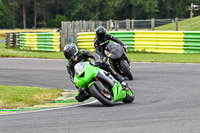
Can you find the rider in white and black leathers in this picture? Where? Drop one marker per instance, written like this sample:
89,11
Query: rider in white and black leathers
102,39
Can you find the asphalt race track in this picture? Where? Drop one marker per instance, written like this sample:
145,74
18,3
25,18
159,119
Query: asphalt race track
167,100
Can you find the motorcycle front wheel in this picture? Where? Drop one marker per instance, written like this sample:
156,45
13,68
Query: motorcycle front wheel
129,96
104,98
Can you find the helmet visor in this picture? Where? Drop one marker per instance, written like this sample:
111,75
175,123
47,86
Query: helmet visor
72,57
101,35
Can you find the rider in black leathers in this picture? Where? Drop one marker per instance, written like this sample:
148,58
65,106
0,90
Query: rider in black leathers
74,56
102,39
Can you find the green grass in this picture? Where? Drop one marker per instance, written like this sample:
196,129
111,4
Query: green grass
192,24
16,52
170,58
19,96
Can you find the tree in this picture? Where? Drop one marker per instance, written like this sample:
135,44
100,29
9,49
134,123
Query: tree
5,16
35,13
61,6
56,23
42,13
144,9
13,4
96,9
23,4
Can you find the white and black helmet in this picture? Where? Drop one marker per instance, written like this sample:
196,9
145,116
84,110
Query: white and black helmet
70,51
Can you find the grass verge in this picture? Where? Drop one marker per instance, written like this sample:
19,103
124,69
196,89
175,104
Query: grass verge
169,58
16,52
19,96
191,24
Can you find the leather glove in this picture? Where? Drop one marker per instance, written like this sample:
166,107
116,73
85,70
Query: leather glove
97,63
125,47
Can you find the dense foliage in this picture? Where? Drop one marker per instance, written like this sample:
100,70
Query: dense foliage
5,16
49,13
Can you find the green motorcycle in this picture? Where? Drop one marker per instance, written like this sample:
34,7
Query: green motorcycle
101,84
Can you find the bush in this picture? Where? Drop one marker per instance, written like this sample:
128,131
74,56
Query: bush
56,23
5,17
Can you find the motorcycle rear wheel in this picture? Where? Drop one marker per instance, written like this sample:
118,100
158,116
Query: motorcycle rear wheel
105,99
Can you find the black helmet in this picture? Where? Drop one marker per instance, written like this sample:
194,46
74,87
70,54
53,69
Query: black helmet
100,31
70,51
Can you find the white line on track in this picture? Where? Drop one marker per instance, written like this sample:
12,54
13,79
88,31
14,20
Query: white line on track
14,112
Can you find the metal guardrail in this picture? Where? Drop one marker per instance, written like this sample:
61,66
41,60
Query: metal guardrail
149,41
70,29
43,41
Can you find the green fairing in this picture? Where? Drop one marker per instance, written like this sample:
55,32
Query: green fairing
89,73
129,92
118,93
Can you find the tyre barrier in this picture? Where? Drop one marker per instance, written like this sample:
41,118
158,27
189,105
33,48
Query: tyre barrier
12,40
149,41
45,41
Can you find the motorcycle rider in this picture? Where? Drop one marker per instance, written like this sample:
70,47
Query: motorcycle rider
73,55
102,39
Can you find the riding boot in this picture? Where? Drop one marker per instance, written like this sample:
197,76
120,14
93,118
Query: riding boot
121,80
81,95
106,67
118,77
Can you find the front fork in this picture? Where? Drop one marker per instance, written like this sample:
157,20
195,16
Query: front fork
126,58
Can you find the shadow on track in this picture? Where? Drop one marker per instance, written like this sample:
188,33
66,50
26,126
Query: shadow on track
99,105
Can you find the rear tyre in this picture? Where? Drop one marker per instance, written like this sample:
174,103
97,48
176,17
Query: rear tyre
129,96
105,99
124,65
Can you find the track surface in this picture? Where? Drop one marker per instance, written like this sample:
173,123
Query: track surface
167,100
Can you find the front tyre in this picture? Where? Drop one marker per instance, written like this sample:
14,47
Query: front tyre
125,67
129,96
104,98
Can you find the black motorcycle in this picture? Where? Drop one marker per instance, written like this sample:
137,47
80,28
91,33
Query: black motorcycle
118,59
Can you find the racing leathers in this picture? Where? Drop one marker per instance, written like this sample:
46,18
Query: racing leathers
101,43
84,55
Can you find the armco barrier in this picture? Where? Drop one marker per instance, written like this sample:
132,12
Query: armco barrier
86,39
47,41
150,41
159,41
192,42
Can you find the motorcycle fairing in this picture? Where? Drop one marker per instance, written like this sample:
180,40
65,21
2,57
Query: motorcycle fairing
114,51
